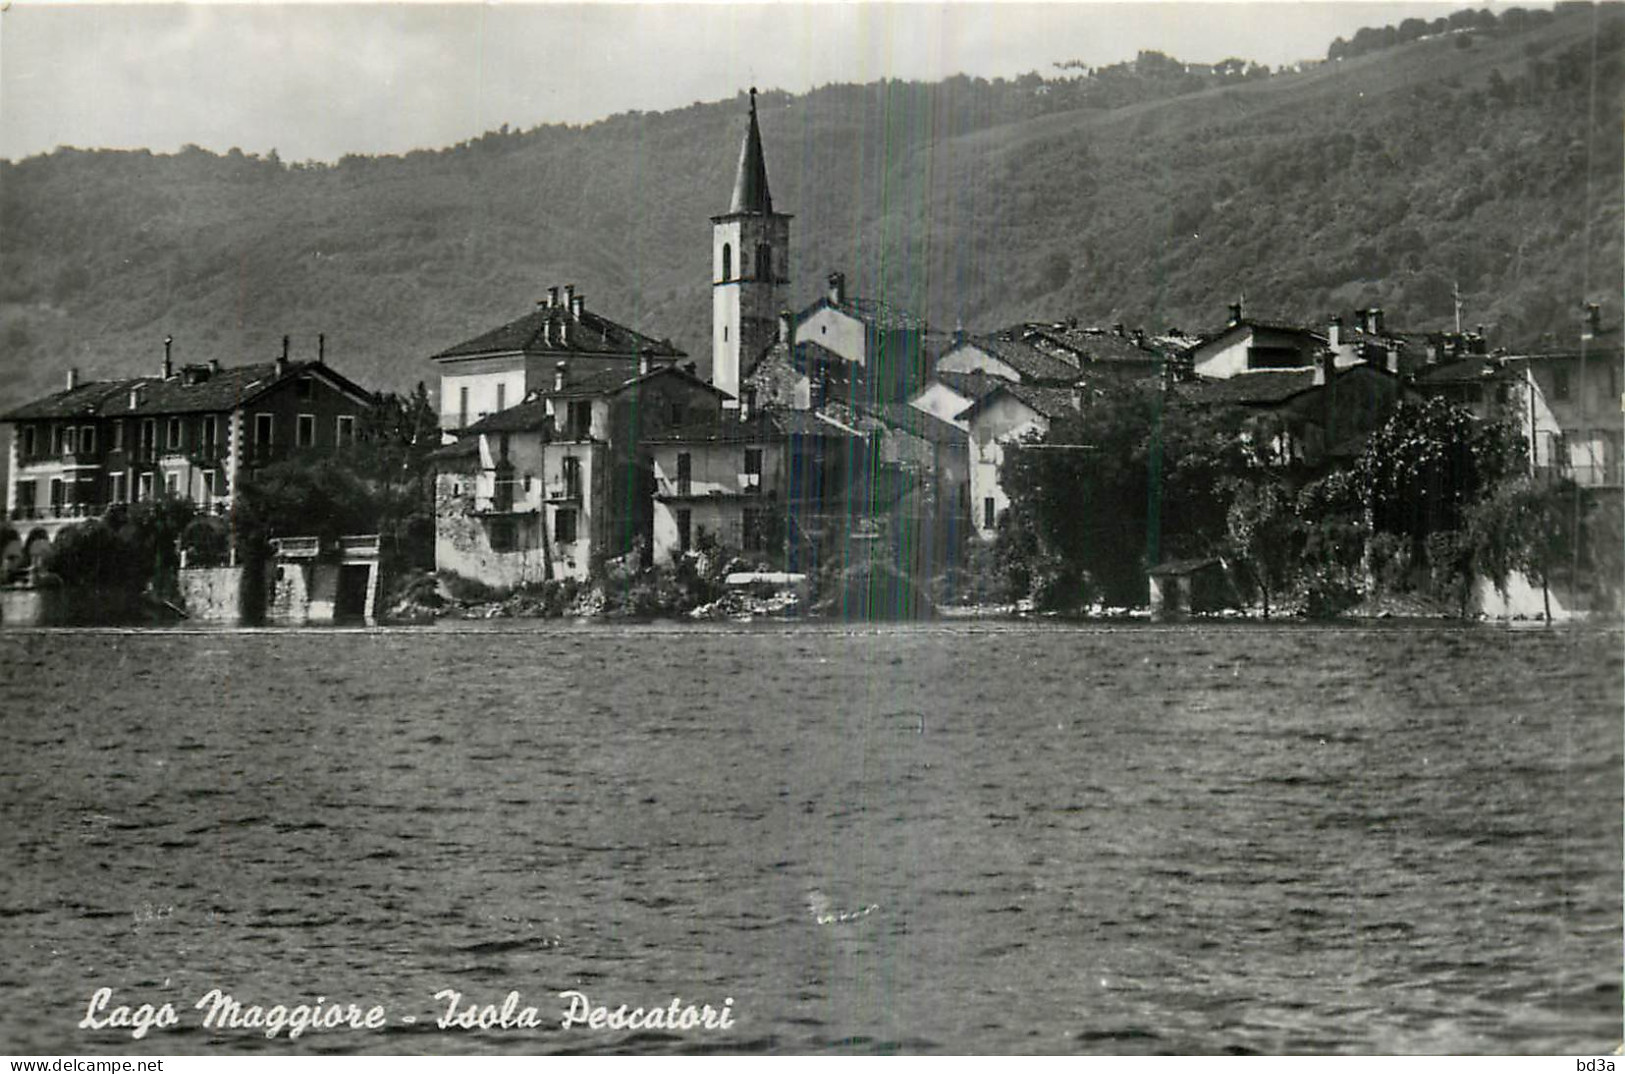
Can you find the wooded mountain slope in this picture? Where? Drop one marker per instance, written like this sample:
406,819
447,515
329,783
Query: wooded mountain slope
1492,161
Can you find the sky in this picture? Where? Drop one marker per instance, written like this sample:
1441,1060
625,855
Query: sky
315,81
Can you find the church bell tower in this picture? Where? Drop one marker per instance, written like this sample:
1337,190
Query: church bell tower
750,262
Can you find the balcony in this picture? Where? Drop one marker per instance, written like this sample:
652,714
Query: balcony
359,546
297,547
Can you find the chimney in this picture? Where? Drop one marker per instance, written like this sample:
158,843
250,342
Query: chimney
1325,368
135,396
1593,322
691,368
1235,313
552,297
643,363
1334,332
321,348
169,341
959,334
281,362
787,328
214,366
569,295
1376,321
1139,337
578,306
560,375
747,405
73,377
837,288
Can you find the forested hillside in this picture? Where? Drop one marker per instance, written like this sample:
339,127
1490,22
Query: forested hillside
1484,157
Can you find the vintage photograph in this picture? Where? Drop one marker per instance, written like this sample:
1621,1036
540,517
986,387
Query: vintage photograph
812,529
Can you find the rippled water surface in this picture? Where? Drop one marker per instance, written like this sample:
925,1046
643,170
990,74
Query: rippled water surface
1204,839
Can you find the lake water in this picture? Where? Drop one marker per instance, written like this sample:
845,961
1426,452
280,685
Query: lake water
970,837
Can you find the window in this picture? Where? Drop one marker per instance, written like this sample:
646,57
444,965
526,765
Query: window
572,476
28,441
209,489
764,262
987,513
144,484
685,526
262,429
502,396
1560,384
70,442
753,461
304,387
727,261
56,440
580,420
87,439
685,473
502,535
118,487
173,440
149,436
172,482
26,503
344,433
462,408
118,436
724,333
209,432
564,525
306,431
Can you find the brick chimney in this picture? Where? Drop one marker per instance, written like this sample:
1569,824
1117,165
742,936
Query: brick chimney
561,375
168,369
578,306
837,287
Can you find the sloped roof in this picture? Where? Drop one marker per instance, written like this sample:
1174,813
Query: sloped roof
871,311
809,356
219,391
1471,368
971,385
1028,361
591,334
532,414
1309,335
767,424
751,194
1048,401
1253,388
917,422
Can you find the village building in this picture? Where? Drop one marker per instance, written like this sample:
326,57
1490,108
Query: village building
887,348
1246,344
547,489
498,369
1008,359
765,483
1570,402
1009,413
947,395
194,431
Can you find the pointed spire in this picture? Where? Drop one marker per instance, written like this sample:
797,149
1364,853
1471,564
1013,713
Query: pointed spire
750,188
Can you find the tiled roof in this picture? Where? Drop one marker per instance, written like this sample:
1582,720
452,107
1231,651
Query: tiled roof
532,413
218,391
1258,322
809,356
591,334
871,311
971,385
1256,387
775,423
1050,402
1028,361
1086,344
918,423
1472,368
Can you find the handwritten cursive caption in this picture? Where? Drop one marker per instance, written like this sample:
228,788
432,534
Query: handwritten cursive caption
221,1011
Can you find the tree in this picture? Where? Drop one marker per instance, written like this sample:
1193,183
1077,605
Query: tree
1263,533
1421,471
1523,525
